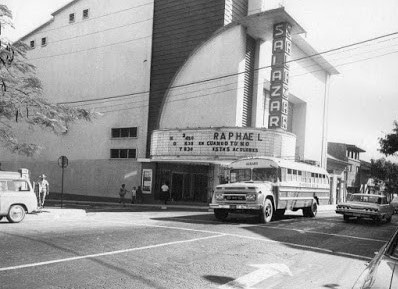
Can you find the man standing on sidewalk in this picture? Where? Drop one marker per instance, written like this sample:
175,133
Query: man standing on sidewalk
122,194
44,189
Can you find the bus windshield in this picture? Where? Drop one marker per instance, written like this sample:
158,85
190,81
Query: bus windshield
240,175
265,174
257,175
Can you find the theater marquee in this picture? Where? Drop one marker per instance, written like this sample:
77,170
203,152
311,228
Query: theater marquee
222,142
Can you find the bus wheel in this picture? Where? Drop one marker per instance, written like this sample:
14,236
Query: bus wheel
311,211
16,214
220,214
346,218
267,212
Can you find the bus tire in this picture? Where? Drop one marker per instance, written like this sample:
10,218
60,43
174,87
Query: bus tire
310,212
16,214
220,214
267,212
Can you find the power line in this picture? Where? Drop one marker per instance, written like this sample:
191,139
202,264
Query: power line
93,18
92,48
213,93
96,32
236,74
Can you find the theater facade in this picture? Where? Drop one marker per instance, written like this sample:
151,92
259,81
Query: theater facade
183,91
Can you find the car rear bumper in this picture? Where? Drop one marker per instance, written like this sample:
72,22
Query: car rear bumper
359,213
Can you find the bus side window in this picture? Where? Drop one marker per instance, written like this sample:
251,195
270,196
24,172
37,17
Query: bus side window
299,176
294,175
289,175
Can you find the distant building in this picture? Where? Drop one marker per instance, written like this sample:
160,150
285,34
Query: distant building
184,90
344,166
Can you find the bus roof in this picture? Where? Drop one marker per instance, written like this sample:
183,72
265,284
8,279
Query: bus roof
276,162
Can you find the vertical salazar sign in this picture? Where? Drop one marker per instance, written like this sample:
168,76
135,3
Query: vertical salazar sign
281,49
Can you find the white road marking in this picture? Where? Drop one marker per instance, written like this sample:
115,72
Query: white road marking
263,272
293,229
247,237
106,253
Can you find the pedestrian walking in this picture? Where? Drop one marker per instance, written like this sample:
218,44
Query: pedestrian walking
133,195
44,189
122,194
165,192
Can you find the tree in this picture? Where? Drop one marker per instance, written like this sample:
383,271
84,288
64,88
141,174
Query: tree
389,144
21,96
386,171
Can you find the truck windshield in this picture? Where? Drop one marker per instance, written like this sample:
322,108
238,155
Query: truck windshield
265,174
240,175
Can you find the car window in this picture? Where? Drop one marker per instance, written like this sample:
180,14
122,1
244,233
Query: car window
3,186
14,186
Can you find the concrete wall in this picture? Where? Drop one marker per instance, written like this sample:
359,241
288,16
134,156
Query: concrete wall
209,103
307,82
103,57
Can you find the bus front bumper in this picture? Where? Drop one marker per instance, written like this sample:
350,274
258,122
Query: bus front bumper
236,206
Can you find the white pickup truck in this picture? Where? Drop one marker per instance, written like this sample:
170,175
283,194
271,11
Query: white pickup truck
17,196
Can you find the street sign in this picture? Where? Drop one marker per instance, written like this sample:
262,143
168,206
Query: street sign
63,161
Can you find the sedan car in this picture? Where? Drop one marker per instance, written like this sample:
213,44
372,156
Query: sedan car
369,206
382,271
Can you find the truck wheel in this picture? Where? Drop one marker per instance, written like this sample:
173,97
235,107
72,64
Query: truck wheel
310,212
220,214
267,212
16,214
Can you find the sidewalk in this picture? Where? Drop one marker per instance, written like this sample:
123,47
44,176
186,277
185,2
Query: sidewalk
77,209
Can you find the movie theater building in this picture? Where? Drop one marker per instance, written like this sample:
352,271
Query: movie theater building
183,90
253,87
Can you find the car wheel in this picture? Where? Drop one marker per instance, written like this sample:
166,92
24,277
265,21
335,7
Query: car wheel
1,217
310,212
388,219
16,214
267,212
346,218
220,214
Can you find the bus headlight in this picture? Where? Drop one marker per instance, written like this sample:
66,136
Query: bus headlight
250,197
219,196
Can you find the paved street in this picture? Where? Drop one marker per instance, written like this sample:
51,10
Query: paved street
153,248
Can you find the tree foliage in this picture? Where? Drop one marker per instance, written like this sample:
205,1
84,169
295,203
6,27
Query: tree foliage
21,96
389,144
386,171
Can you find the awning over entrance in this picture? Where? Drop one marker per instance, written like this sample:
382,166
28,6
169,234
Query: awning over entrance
223,163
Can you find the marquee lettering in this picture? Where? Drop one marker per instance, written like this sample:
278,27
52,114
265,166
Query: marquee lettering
281,50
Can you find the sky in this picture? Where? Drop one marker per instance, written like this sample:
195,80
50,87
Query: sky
363,99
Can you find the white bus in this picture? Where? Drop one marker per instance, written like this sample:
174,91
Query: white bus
268,186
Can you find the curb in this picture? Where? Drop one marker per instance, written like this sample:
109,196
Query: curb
56,213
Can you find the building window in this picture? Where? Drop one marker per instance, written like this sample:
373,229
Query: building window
71,17
123,153
44,41
124,132
32,44
85,13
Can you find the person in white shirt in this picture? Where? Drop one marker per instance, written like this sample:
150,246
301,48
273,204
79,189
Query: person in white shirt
44,189
133,195
165,192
